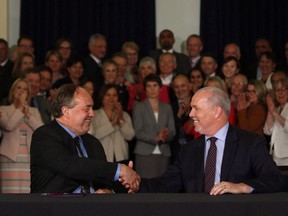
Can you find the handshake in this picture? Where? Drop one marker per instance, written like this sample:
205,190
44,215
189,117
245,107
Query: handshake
129,178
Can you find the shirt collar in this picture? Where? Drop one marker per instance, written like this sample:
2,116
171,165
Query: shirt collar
67,130
4,62
221,134
168,51
98,61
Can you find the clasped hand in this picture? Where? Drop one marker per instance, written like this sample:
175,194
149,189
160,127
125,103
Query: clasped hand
129,178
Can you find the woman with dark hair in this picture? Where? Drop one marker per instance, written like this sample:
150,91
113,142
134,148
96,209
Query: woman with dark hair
75,69
112,126
197,79
154,130
64,46
230,67
267,63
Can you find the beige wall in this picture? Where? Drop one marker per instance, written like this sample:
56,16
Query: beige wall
4,19
180,16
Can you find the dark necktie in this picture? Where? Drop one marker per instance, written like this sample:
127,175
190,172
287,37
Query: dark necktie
77,143
209,173
85,186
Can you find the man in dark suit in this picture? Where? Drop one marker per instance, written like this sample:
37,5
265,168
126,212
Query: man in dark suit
59,163
242,163
166,41
194,45
93,69
6,67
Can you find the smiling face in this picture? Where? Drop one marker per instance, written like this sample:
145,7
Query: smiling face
181,87
196,78
110,98
110,73
266,65
229,69
281,93
203,113
251,93
27,62
76,70
78,118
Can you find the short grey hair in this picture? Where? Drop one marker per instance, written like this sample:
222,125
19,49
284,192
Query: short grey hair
217,97
148,61
96,37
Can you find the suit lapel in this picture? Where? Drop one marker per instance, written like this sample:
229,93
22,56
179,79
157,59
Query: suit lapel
68,140
229,152
150,111
199,161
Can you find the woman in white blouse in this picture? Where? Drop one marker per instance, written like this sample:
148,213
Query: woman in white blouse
276,123
112,126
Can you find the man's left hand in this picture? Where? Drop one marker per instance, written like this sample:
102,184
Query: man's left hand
229,187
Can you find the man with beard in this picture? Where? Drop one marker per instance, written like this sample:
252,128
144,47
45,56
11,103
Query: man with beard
166,41
223,160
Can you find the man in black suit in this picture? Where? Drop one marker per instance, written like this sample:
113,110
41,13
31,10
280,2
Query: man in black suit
6,67
194,45
93,69
59,163
166,41
242,165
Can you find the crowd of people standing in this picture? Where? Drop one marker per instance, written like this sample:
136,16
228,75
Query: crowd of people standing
141,105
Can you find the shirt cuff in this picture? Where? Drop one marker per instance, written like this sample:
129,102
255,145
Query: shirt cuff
117,174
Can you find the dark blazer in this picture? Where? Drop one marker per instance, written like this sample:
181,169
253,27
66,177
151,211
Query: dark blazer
245,160
5,79
56,166
44,107
93,71
183,62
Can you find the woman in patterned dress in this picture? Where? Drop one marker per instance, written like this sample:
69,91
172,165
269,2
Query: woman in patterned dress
18,121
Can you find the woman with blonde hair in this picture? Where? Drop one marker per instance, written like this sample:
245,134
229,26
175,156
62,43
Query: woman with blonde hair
276,123
18,121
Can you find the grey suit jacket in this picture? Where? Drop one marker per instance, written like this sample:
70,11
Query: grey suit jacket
146,127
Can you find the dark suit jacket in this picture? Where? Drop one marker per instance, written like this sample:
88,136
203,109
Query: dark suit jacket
56,166
44,107
245,160
183,62
93,71
5,79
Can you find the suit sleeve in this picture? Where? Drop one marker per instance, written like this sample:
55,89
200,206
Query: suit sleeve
268,177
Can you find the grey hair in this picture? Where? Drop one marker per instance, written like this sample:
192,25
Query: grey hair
217,97
148,61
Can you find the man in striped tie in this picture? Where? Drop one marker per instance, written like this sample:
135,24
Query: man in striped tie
223,160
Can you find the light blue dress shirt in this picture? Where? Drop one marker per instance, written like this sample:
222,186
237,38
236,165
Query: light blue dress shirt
78,190
220,143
